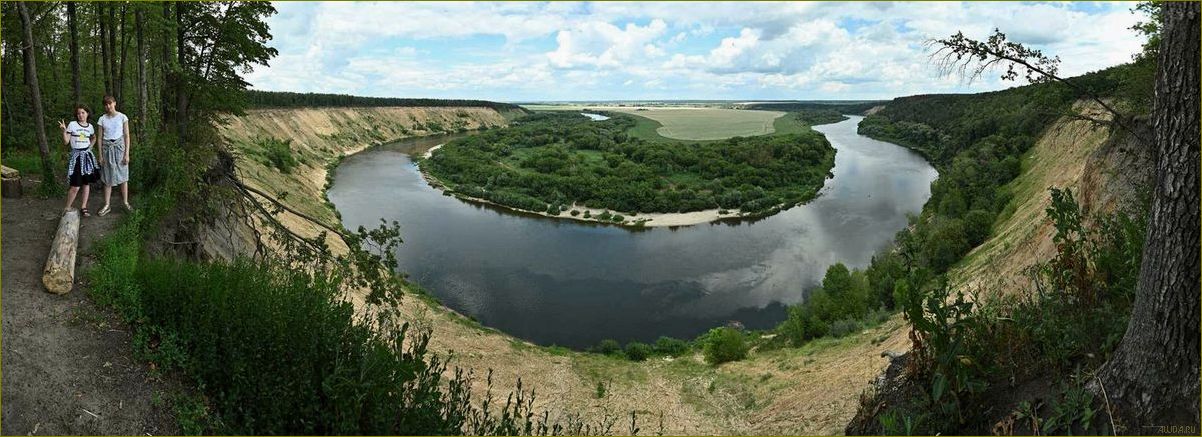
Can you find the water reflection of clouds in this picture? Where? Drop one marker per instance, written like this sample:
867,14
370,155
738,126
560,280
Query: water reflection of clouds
556,281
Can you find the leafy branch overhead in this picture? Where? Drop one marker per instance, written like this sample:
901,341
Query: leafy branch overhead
971,58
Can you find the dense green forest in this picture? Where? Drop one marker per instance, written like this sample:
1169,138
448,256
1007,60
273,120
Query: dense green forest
814,117
281,99
977,142
842,107
548,161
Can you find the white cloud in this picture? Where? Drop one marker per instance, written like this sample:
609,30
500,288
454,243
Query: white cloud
563,50
601,44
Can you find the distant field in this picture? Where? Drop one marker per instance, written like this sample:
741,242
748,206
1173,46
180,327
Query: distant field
691,123
708,123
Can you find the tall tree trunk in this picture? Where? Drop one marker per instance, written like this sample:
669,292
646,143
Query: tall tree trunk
167,83
112,42
1152,378
124,39
29,50
181,87
76,88
105,53
143,119
94,36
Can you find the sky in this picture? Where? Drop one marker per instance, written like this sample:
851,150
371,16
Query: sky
592,51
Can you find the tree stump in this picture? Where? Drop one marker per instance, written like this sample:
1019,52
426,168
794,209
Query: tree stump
10,187
10,182
59,274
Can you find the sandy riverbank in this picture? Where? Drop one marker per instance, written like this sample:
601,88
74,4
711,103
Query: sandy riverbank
430,152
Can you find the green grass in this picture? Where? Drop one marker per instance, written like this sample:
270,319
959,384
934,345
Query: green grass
703,124
29,163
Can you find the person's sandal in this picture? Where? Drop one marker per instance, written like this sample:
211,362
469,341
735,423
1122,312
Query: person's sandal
104,211
85,212
129,208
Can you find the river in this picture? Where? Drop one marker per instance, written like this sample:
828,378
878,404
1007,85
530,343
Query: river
564,282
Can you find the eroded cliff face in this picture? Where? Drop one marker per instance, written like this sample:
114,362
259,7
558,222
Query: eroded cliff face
1106,172
316,138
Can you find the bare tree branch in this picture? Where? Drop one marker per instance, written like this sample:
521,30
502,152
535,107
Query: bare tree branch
970,58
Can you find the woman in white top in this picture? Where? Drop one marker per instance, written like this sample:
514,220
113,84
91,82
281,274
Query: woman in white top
114,152
82,168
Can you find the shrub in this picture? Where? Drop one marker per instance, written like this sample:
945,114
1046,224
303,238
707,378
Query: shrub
842,328
724,345
607,346
575,212
279,154
636,351
671,346
275,349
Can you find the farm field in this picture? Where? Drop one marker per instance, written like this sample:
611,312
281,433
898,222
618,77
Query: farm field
708,123
692,123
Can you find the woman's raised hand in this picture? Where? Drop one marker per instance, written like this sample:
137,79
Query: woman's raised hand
62,125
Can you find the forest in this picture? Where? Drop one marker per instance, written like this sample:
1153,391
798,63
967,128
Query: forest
548,161
977,143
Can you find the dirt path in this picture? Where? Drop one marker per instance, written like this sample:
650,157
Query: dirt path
67,364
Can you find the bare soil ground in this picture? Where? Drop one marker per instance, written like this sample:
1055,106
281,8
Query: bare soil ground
67,364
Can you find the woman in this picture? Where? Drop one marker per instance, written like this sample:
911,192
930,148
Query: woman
82,168
114,152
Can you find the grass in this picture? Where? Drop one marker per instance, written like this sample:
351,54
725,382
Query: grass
29,163
705,123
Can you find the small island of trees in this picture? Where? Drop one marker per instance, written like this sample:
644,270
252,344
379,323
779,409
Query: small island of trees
547,162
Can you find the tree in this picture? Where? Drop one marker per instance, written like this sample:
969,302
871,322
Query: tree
1152,378
143,118
105,53
215,43
76,88
29,53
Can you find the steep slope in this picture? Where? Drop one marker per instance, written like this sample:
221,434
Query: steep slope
1073,153
287,151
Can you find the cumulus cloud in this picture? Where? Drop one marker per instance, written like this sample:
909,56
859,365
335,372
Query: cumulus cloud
619,50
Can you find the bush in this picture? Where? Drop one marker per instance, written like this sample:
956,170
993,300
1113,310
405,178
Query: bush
279,154
671,346
608,346
724,345
636,351
275,349
845,327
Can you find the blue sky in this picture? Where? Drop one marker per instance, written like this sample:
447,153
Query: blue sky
533,51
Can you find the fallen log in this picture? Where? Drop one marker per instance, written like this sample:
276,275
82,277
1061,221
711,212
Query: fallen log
9,172
59,274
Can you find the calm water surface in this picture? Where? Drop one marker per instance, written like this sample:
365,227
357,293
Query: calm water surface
556,281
